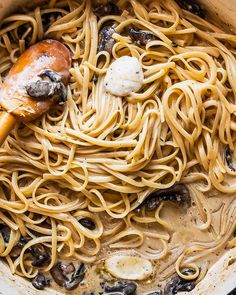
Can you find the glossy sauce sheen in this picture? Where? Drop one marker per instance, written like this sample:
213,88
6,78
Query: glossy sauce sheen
184,225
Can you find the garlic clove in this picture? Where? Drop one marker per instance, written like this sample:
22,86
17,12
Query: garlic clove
129,267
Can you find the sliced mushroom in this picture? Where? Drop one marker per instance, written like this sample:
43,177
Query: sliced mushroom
129,267
16,250
66,268
23,241
87,223
177,193
140,37
6,232
48,85
41,257
155,293
40,281
125,288
76,278
177,284
106,9
88,293
58,275
193,7
106,42
49,18
229,159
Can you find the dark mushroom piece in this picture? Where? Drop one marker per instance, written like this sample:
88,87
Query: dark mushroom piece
49,18
6,232
40,281
23,241
229,159
49,85
41,257
155,293
58,275
126,288
105,41
177,284
141,38
193,7
76,278
16,250
88,293
66,268
87,223
106,9
178,193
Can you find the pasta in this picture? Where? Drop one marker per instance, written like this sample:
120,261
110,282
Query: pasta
100,156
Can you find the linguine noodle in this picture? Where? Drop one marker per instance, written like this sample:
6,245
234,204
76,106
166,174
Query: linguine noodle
99,156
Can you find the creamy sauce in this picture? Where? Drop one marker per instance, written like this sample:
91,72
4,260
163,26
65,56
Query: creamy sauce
184,231
185,224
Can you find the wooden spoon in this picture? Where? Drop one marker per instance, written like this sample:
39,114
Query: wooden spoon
35,82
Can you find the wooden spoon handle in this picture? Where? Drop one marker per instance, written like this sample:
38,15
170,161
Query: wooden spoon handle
7,122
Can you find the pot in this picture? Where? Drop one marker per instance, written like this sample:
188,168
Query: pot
220,279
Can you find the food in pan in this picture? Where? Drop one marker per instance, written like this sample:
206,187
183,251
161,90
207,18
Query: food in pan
129,186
